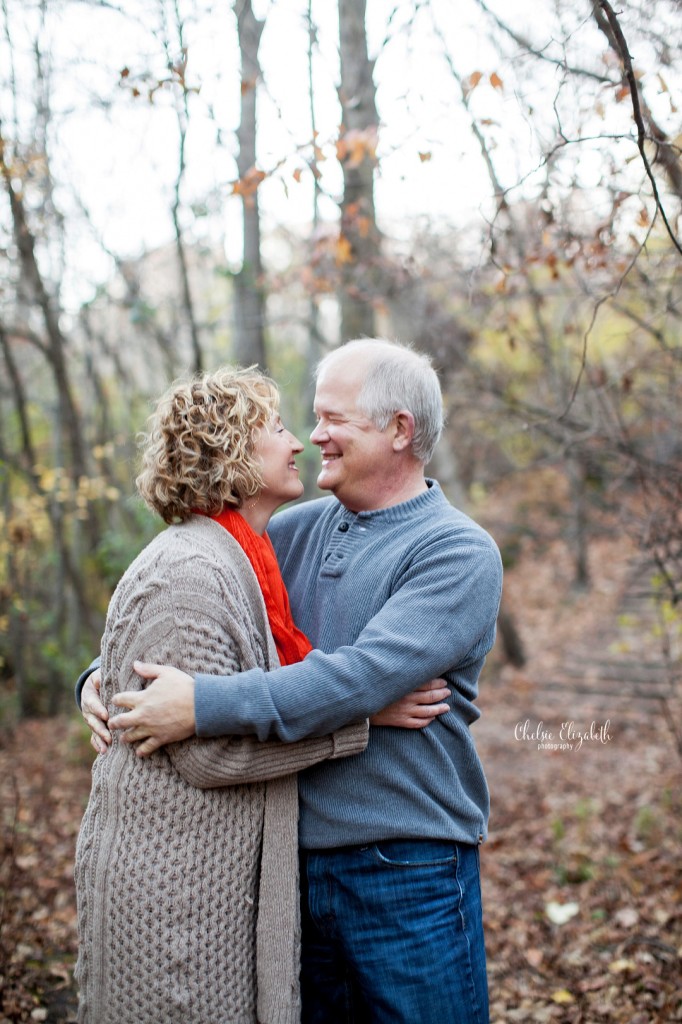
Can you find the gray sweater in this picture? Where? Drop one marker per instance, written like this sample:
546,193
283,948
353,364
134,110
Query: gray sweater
415,590
187,861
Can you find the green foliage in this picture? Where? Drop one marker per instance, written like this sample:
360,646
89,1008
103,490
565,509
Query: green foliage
647,826
118,546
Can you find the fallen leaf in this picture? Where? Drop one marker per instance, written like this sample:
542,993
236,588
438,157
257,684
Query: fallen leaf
560,913
562,995
619,966
626,917
534,957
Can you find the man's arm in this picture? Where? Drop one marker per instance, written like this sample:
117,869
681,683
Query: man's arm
164,712
84,677
398,649
92,708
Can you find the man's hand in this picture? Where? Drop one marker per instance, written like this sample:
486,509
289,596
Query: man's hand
163,713
94,712
417,709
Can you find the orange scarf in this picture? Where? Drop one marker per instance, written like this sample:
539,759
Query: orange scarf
292,645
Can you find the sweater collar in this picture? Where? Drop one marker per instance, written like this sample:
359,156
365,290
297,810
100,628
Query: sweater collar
405,510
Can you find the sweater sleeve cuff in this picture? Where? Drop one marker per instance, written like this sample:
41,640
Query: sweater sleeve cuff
211,706
350,740
83,678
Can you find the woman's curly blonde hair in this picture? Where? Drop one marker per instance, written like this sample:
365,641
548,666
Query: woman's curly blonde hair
198,454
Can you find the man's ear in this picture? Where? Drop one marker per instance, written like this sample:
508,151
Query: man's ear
403,430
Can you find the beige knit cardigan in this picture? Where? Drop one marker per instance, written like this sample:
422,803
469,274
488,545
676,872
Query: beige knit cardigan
186,864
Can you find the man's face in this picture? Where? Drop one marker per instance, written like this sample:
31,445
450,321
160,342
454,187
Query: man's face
356,457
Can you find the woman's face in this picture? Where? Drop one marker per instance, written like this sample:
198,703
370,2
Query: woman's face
277,448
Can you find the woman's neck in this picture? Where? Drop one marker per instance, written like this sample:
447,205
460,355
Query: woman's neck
257,514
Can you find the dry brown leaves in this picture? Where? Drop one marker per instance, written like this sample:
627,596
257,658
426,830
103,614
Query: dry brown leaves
44,785
582,872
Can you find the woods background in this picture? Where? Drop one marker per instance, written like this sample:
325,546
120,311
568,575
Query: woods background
186,183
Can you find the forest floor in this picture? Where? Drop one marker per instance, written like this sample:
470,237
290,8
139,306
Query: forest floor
582,872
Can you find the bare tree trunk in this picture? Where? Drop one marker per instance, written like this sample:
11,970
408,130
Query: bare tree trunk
182,113
187,300
579,527
512,644
28,454
55,345
249,301
314,349
360,241
18,616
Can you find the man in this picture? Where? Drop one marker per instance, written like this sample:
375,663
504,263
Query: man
394,587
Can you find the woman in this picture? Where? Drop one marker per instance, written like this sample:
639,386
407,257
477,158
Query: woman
186,865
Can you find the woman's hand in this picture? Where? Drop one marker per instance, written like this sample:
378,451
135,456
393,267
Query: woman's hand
417,709
94,713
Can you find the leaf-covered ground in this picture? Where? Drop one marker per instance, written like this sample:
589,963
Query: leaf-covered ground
583,867
583,876
582,871
44,786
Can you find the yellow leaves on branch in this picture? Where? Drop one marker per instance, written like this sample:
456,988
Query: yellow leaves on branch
476,77
363,225
311,163
357,145
145,80
62,489
356,222
247,186
316,283
344,251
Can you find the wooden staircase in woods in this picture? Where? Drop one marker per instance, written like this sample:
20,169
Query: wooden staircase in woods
620,666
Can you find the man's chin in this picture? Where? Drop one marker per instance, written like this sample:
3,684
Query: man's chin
324,483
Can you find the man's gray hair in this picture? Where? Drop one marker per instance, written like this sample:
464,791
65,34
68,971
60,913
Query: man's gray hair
398,378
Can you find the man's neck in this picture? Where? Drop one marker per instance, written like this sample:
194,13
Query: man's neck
403,490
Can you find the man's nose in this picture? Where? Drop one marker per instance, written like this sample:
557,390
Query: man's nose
318,433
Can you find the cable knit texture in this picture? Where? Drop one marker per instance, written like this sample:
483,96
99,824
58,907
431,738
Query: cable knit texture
186,866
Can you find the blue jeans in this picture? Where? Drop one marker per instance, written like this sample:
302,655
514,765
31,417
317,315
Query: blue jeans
393,932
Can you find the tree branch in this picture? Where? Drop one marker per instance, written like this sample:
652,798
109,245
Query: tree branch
617,40
526,45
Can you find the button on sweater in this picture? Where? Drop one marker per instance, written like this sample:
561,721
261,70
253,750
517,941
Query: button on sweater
390,599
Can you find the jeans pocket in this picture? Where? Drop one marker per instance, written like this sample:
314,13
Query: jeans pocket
415,853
